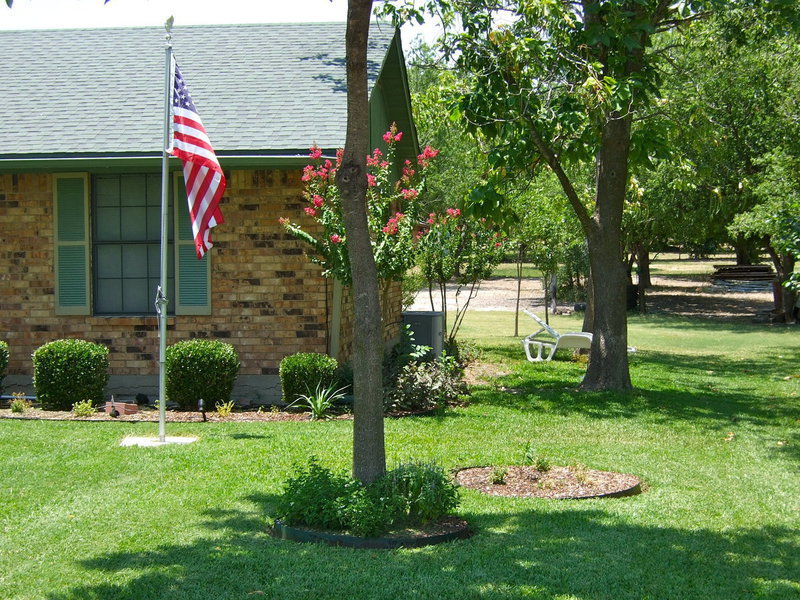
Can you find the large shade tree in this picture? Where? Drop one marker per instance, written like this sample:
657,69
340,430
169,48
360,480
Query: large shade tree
556,84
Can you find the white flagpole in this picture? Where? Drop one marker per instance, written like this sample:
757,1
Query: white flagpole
161,294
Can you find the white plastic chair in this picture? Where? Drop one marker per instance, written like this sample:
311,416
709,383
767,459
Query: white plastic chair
546,348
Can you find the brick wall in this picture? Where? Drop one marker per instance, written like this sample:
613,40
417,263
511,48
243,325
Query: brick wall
268,300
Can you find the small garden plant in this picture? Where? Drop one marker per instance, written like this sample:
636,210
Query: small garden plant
3,361
224,409
411,494
19,403
83,408
320,401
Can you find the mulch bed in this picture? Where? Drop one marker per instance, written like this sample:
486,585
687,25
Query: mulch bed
556,483
150,415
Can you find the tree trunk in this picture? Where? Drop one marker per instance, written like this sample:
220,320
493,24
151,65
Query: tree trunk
369,451
643,264
608,360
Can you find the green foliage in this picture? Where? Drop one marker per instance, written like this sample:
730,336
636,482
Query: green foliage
3,361
412,493
426,385
498,476
19,403
423,491
303,372
198,369
64,370
320,401
83,408
224,409
313,496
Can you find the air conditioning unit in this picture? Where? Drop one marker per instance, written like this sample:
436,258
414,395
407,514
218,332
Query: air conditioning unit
427,327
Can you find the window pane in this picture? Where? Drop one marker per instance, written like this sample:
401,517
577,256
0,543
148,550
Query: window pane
107,224
134,260
106,191
134,224
154,190
109,261
136,296
134,190
108,297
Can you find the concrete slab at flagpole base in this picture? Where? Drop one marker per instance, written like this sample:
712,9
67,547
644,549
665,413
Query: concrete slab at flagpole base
150,442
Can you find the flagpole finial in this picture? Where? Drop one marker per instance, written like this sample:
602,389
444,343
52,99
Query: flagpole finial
168,26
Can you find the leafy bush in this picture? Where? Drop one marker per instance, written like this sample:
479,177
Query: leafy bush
83,408
302,372
198,369
425,386
423,490
3,361
402,354
313,497
66,370
413,493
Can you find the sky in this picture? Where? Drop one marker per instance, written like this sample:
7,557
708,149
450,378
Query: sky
58,14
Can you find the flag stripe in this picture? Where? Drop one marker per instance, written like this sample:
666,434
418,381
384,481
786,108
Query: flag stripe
205,181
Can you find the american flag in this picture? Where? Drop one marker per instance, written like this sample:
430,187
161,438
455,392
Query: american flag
205,182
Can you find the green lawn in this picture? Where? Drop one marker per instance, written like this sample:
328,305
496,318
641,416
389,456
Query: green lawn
713,430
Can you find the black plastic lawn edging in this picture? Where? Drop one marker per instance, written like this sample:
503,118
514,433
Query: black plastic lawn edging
298,534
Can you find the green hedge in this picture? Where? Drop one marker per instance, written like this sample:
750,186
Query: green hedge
198,369
301,373
3,361
69,371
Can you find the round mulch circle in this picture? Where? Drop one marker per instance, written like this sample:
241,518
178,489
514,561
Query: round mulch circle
557,483
437,532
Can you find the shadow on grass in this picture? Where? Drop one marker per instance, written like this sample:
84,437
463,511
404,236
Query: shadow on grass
533,550
706,390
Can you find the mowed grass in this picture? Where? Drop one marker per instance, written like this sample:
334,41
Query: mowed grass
713,429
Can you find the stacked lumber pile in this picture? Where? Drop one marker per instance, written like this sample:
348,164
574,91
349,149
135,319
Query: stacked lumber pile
744,277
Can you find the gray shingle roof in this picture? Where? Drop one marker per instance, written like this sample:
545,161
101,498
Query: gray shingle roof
273,88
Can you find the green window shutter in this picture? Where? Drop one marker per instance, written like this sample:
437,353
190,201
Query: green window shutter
72,248
192,276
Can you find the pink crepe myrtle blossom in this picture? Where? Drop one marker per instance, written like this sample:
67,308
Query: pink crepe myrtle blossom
317,201
409,194
424,159
335,238
315,152
371,181
310,211
454,212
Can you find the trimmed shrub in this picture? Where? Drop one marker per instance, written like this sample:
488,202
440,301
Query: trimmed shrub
3,361
303,372
69,371
198,369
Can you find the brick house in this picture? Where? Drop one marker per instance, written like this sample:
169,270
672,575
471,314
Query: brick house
80,155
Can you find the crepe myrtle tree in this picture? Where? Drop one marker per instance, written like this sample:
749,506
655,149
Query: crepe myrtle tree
391,205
